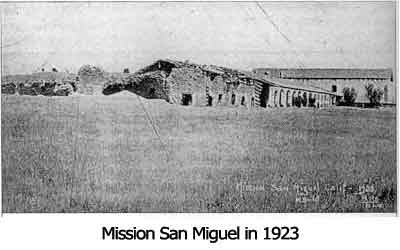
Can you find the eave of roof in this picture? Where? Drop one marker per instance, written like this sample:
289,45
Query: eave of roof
332,73
285,84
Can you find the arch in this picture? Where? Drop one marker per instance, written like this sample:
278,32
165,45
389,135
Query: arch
282,98
288,99
299,98
309,101
305,101
315,99
319,98
275,98
264,95
321,101
294,98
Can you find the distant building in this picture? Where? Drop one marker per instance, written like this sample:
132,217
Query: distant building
335,80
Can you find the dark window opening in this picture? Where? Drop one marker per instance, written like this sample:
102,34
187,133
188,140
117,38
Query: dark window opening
186,99
334,88
233,99
212,77
264,95
243,101
219,98
152,93
73,84
209,100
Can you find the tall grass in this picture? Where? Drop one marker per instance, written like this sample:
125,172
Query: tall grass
100,154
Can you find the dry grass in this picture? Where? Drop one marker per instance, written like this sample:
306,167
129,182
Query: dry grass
99,154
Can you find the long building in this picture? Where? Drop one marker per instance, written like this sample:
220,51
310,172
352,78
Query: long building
335,80
209,85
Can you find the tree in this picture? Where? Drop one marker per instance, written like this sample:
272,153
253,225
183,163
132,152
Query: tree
349,96
374,95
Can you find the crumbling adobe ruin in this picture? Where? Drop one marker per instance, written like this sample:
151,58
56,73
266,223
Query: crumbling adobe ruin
91,79
179,83
41,83
188,84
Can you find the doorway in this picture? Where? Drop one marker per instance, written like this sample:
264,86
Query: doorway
209,100
186,99
264,95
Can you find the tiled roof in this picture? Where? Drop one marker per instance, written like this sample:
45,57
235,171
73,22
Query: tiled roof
288,84
333,73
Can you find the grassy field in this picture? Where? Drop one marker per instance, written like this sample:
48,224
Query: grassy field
101,154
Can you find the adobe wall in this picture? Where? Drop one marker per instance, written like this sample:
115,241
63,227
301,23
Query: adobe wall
240,95
151,85
194,81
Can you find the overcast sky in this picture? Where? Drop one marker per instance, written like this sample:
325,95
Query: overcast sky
239,35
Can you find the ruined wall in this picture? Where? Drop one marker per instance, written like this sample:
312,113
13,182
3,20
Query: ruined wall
47,88
207,88
193,81
151,85
187,84
91,80
241,95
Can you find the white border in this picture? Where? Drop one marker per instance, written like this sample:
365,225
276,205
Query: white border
317,231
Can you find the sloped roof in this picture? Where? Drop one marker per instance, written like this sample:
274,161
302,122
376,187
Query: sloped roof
333,73
210,68
240,74
172,63
288,84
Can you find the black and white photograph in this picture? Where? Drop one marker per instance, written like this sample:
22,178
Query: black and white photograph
198,107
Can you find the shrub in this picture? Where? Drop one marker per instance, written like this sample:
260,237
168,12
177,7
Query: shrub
126,71
374,95
349,96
